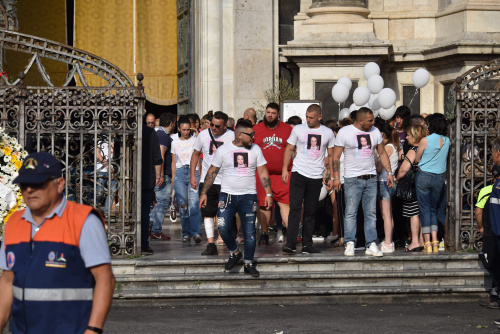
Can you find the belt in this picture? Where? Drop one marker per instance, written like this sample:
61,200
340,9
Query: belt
366,176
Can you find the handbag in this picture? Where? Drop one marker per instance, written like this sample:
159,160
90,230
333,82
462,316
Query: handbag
406,186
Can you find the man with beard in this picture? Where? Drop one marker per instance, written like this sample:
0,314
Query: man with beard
238,192
271,136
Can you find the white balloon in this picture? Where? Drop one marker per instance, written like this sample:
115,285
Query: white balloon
375,113
375,106
323,193
344,113
375,84
361,95
353,107
346,81
371,69
372,98
386,98
421,78
340,92
387,113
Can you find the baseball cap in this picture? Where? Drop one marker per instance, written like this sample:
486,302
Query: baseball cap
38,167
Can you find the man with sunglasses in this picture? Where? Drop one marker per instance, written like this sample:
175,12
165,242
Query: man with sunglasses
207,142
151,120
237,162
271,136
55,258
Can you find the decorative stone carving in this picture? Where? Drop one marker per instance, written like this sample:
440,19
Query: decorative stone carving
8,17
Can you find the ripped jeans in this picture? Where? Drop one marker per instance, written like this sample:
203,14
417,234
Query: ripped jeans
189,202
246,207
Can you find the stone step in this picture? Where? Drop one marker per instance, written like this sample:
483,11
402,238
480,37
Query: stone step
298,264
330,295
278,281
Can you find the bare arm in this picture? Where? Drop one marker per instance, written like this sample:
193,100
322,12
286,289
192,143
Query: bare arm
406,165
384,159
479,218
103,295
287,156
207,183
337,152
159,174
6,297
329,183
195,159
421,147
266,184
174,162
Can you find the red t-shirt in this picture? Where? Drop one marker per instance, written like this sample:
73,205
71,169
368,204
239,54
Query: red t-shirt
272,142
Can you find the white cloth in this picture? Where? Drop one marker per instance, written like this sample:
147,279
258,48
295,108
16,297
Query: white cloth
311,146
237,168
103,148
359,150
183,150
204,145
393,158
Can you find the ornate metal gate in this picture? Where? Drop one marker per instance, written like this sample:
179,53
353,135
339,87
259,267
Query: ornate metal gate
474,121
95,132
184,54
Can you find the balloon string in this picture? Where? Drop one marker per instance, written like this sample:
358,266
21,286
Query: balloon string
416,92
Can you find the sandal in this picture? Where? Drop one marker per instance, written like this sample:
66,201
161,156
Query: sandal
416,249
427,247
220,242
435,246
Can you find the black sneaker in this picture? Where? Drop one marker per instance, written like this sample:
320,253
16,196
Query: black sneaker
211,250
250,269
288,250
233,259
494,305
197,238
284,230
497,322
264,239
309,250
147,251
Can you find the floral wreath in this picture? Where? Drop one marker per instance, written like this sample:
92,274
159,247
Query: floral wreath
11,159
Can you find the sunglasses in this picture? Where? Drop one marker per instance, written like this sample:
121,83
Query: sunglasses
36,186
150,123
249,134
216,126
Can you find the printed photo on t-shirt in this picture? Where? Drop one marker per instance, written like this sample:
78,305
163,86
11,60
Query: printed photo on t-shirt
214,146
364,145
313,145
240,160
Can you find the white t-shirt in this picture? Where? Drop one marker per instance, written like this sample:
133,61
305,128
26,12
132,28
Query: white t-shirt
204,145
393,159
359,150
311,145
237,168
183,150
103,148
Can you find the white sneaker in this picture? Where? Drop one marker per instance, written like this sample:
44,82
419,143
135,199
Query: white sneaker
349,249
373,250
384,248
441,246
279,236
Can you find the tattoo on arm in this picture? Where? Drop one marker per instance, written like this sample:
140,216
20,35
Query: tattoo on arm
336,164
266,182
209,179
388,168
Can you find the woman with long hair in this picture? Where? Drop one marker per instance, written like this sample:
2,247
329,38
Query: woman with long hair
390,140
414,134
432,156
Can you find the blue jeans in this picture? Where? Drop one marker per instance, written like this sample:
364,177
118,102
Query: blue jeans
189,202
429,192
384,192
162,194
102,189
246,206
356,190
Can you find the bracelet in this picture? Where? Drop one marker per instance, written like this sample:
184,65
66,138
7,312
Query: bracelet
95,329
390,173
332,178
270,195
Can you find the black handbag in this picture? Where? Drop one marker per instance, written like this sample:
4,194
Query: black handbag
406,186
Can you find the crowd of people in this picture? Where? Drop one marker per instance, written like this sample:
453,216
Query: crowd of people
362,182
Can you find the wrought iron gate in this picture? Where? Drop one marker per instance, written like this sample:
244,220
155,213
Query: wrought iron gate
184,54
82,126
474,121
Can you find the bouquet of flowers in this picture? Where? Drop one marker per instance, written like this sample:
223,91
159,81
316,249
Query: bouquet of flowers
11,159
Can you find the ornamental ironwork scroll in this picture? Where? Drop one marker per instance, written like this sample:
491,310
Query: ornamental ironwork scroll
474,123
95,132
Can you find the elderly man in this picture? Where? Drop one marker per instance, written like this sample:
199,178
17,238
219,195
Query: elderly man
55,258
250,115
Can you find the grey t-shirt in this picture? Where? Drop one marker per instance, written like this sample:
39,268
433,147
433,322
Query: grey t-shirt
93,241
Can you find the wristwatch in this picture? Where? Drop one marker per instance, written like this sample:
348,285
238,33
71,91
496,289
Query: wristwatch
270,195
390,173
